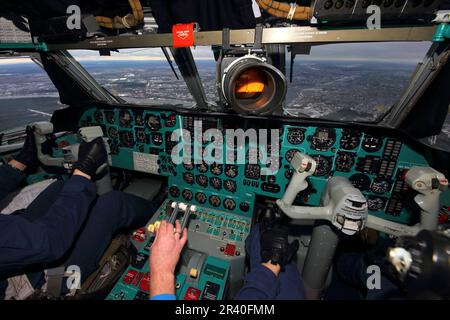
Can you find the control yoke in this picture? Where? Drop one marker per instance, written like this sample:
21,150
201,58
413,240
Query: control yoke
104,184
342,204
429,183
43,128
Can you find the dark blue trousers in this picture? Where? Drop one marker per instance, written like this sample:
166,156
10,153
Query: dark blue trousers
66,224
261,284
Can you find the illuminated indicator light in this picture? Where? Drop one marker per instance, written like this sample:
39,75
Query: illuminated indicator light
230,249
193,273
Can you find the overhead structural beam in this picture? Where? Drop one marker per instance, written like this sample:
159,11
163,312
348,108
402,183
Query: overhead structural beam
285,35
188,69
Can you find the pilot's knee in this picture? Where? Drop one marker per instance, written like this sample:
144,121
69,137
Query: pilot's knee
113,197
108,202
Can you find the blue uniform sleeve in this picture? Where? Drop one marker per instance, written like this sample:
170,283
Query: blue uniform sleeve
259,284
48,238
10,179
164,296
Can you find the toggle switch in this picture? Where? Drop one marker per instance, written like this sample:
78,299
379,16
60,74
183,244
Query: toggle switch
193,273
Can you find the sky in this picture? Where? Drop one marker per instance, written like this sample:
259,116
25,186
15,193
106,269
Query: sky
388,51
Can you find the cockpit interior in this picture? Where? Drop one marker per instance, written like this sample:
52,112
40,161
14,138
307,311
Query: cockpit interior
237,151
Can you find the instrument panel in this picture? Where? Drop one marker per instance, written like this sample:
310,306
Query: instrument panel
140,139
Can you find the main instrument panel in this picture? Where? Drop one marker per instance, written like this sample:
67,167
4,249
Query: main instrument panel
223,173
140,139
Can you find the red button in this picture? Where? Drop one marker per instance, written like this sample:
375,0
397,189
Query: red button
230,249
139,235
129,277
145,283
137,278
192,294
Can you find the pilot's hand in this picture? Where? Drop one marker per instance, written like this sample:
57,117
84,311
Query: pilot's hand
165,253
166,248
91,155
275,246
28,154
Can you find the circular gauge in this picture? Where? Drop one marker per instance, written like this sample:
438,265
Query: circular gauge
125,119
376,203
324,165
216,183
380,186
113,133
252,171
360,181
216,169
288,173
110,117
157,138
174,191
350,3
231,170
244,206
344,161
188,166
230,185
188,177
229,204
140,135
290,154
202,180
214,201
98,116
126,139
295,135
350,139
170,120
371,143
323,139
328,4
187,195
200,197
153,122
202,167
139,119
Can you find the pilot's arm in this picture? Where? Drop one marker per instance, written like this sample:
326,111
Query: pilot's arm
47,239
13,173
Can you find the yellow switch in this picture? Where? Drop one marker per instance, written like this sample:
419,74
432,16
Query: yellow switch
193,273
153,227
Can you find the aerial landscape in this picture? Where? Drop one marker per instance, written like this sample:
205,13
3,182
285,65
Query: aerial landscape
336,90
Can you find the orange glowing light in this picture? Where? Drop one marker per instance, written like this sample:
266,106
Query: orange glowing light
251,81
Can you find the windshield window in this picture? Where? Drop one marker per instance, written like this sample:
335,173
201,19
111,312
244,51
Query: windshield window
342,82
27,94
352,82
141,76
